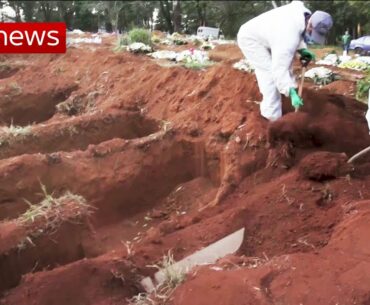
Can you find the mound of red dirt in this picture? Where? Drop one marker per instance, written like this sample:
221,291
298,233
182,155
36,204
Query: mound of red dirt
326,121
230,53
324,165
104,280
343,87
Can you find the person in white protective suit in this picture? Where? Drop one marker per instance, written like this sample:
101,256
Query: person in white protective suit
270,41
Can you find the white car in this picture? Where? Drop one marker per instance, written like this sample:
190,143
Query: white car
361,45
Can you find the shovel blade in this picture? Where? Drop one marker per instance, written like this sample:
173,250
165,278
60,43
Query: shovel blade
209,255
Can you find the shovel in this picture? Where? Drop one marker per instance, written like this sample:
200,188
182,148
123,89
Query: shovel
209,255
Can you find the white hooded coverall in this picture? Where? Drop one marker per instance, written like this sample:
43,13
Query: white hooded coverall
270,41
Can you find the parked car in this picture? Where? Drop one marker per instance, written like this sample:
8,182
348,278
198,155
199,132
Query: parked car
361,45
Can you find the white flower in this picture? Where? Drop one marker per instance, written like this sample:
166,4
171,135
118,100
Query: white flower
318,72
139,47
164,54
243,65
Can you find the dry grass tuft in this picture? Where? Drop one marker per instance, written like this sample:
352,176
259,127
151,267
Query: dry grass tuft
162,293
13,132
51,212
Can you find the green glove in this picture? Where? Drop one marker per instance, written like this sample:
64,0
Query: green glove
306,56
296,100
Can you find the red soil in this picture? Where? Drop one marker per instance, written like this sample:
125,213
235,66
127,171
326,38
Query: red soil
324,165
335,274
149,147
342,87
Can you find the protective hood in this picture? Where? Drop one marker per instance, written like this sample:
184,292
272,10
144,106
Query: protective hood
321,24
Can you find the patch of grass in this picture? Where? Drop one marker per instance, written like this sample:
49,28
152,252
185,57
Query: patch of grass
172,278
197,65
124,40
72,130
155,39
326,47
363,87
284,194
139,35
179,42
4,67
197,42
141,299
12,132
324,80
166,125
59,70
15,88
51,212
178,39
206,47
135,35
122,43
16,131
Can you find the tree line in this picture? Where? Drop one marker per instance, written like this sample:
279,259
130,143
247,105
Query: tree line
180,16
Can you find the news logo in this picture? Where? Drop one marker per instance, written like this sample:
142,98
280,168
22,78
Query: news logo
32,37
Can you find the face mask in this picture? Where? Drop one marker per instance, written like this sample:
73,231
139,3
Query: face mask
307,39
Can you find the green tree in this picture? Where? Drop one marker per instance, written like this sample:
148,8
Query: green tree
234,13
66,11
84,18
176,16
46,8
29,10
137,14
165,15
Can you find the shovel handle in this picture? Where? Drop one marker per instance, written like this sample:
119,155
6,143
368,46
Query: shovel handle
300,89
361,153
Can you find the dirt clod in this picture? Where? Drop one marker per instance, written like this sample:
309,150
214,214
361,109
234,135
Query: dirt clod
324,165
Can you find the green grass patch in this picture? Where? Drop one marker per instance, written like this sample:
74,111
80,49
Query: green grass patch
363,87
140,35
135,35
197,65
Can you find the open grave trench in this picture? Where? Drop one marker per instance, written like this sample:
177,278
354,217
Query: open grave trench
122,179
122,162
37,122
7,70
77,132
22,107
